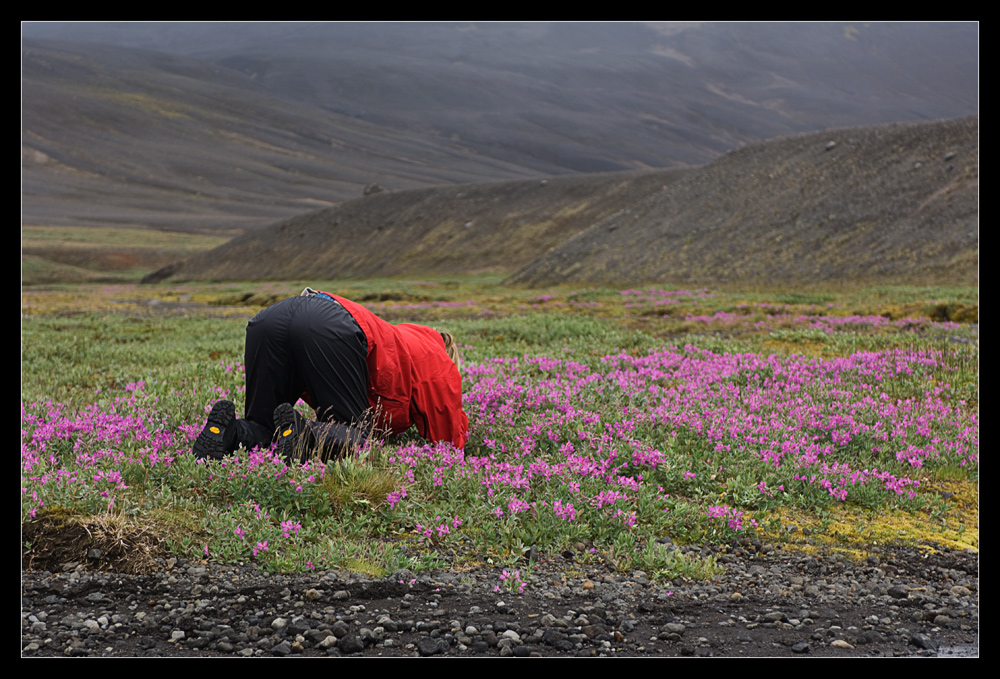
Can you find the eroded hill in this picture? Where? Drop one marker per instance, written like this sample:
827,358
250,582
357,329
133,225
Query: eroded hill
893,203
473,228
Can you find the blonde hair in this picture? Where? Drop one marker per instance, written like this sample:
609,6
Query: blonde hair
451,348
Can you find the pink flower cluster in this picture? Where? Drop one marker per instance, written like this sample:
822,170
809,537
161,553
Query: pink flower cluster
835,423
733,517
511,581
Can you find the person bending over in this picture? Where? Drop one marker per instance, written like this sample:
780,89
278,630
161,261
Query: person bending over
358,372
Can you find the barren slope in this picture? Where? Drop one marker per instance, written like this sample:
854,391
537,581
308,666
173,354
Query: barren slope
474,228
884,203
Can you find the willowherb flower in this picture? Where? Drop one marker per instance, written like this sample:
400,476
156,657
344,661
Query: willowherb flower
564,511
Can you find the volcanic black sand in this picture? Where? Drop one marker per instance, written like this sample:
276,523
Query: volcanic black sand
770,602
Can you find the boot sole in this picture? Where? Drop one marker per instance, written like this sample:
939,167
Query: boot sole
211,442
287,431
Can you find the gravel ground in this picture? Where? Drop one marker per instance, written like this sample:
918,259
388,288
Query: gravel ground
899,602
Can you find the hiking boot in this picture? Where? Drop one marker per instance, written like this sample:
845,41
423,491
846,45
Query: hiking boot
289,425
217,438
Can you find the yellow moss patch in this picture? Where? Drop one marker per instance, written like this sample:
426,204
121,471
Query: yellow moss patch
366,566
855,531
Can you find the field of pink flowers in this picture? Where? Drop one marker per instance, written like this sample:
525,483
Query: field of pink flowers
582,432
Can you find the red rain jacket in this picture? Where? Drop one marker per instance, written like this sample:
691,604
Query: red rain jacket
411,380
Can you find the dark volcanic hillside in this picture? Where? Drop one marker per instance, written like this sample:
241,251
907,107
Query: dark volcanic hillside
474,228
885,203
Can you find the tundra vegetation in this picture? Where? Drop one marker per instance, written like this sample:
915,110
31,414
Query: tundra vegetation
608,423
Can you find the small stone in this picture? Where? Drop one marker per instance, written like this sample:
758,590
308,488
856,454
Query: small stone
922,641
351,644
427,646
840,643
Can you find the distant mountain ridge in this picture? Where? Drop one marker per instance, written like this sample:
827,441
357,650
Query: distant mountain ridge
136,138
223,126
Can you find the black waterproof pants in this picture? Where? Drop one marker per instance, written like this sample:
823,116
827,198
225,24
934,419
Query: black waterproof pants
305,345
